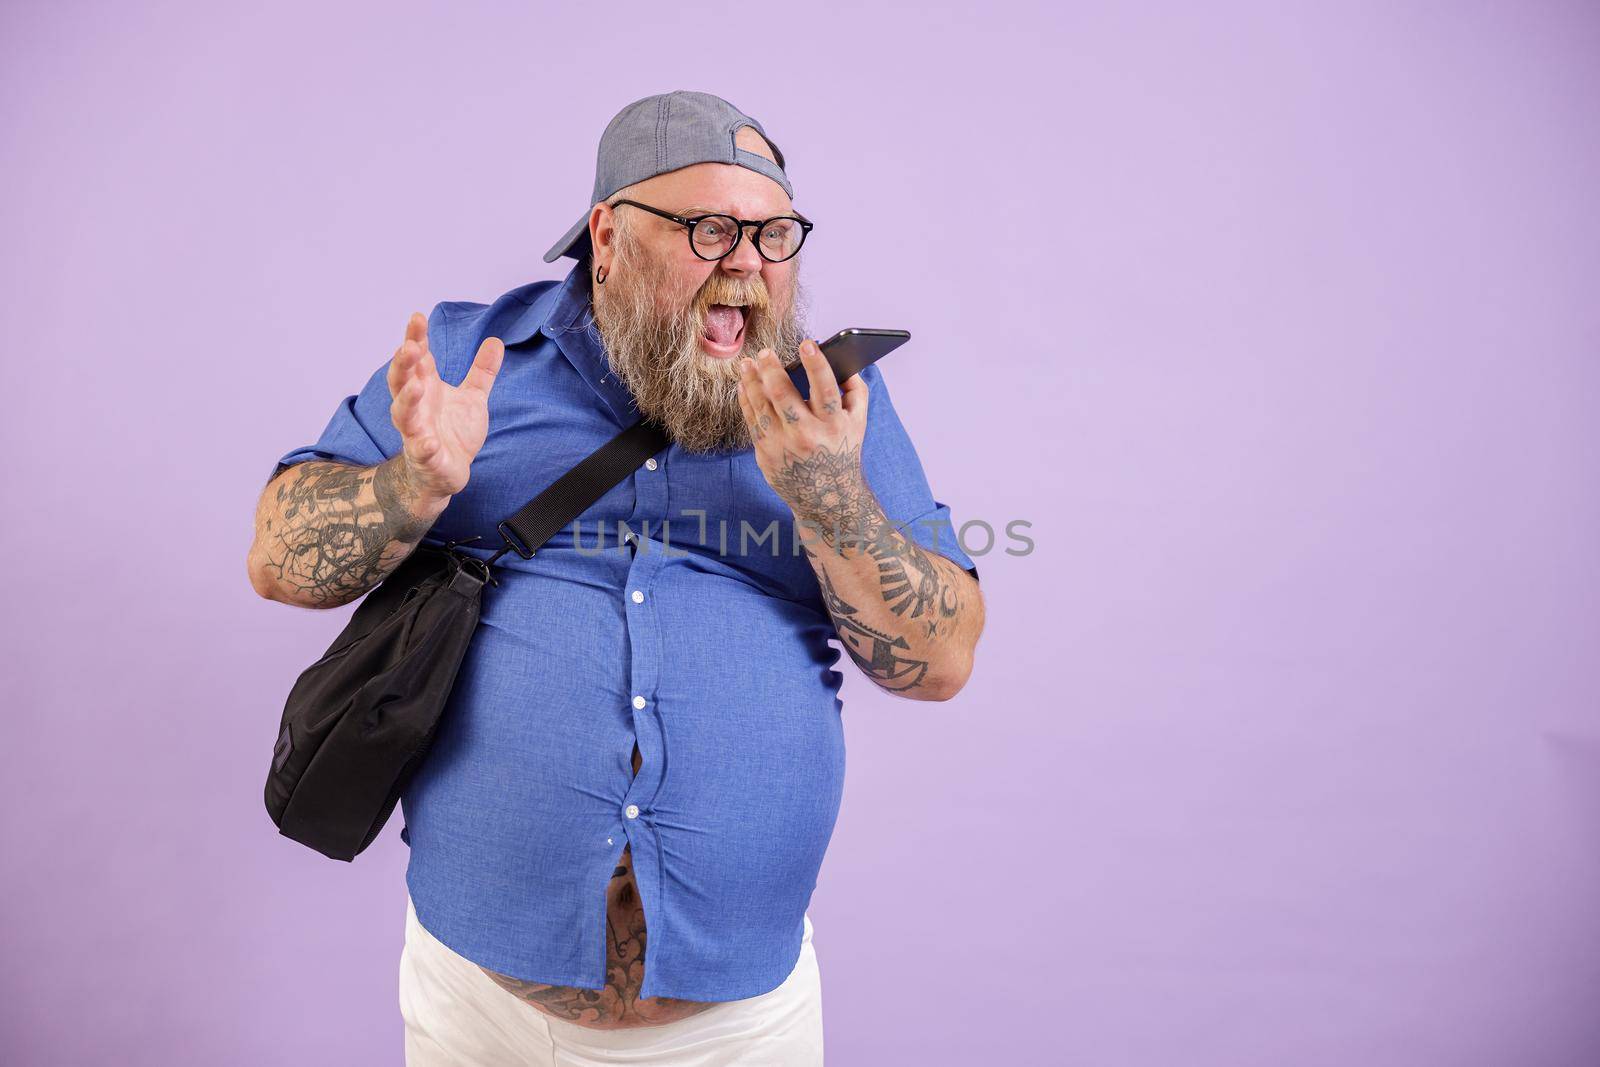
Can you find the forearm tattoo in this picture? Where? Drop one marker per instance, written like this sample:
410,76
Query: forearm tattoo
329,540
877,654
829,493
912,583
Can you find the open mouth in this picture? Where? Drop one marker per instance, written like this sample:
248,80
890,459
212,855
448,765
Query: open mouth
723,330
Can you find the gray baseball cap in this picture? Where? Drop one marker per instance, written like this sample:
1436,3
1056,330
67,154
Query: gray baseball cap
662,133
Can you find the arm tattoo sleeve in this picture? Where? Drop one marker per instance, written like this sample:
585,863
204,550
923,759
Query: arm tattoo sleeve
829,493
330,540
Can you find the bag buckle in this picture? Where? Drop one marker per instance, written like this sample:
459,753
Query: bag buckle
512,541
484,574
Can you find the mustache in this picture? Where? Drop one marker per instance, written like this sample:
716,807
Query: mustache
720,289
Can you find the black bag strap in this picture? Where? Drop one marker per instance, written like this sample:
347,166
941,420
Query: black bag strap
571,494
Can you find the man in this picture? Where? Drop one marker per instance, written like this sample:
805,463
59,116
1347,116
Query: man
645,737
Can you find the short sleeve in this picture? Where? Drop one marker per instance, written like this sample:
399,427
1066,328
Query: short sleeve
361,431
895,474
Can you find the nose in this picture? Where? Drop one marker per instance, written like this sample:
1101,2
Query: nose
744,259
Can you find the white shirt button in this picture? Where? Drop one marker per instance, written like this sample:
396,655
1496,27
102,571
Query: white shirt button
633,811
638,597
650,464
638,702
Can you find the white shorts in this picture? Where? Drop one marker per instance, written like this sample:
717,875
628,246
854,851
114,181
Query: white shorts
458,1016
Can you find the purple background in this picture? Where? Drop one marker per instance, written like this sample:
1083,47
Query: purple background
1279,325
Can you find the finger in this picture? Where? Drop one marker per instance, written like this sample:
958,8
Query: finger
763,416
755,393
760,420
855,396
426,368
748,410
485,366
781,393
405,411
417,329
417,334
824,389
418,432
411,364
402,366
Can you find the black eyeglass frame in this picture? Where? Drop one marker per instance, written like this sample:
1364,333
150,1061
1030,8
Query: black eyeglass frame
691,222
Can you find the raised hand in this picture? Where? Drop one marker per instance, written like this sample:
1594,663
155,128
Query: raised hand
441,426
809,450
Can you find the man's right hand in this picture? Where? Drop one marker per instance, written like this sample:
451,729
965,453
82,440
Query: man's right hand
441,426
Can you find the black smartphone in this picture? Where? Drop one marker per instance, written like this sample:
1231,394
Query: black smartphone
850,351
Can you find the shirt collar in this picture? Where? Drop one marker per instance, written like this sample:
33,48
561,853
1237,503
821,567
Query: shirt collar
564,314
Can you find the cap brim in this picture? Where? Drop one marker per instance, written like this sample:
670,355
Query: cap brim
578,235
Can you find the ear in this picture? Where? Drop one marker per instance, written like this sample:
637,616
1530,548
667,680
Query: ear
602,235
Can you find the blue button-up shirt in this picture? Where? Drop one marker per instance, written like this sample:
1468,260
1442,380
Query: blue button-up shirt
716,662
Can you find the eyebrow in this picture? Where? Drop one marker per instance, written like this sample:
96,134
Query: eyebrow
694,209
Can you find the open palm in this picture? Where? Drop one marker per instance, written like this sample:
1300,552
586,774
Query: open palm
441,426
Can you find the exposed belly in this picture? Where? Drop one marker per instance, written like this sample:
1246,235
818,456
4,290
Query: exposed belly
617,1006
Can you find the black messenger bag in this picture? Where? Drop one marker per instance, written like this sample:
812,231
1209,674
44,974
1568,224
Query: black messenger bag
359,720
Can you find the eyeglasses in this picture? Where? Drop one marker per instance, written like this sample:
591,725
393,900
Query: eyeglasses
714,236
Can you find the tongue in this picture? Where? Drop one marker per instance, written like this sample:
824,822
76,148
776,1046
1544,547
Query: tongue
723,323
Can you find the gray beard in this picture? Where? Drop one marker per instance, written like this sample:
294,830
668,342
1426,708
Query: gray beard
690,394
